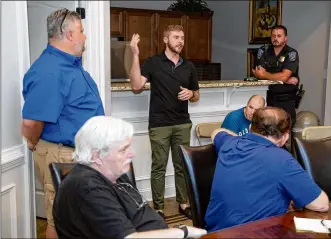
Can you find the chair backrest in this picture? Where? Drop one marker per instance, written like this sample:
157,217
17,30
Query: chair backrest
199,166
60,170
315,157
316,132
204,130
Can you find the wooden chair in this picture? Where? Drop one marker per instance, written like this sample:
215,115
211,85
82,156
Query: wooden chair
316,132
204,130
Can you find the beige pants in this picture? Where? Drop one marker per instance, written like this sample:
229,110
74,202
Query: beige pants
44,154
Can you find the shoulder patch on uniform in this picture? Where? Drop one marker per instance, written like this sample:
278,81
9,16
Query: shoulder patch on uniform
292,56
259,53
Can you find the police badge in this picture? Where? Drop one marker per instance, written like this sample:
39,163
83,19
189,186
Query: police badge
259,53
281,58
292,56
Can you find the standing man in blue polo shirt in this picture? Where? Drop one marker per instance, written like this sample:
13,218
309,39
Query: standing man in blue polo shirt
255,178
60,96
238,121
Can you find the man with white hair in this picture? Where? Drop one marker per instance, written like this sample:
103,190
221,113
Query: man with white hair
59,96
97,199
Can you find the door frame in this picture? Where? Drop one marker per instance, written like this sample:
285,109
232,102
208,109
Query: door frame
23,66
96,59
327,111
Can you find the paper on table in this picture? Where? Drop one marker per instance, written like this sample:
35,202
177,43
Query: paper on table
313,225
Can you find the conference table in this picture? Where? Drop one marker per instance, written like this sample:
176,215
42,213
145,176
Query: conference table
281,226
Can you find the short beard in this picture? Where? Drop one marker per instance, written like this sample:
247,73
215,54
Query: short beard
80,49
173,49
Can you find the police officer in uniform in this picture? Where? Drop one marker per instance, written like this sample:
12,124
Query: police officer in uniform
279,62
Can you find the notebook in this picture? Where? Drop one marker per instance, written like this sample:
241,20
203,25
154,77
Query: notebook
312,225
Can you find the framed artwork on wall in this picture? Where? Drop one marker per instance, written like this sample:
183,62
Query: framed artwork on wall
251,60
263,15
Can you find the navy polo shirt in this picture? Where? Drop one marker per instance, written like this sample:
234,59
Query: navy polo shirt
58,91
254,179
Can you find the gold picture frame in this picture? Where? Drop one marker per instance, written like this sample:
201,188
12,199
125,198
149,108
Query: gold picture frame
263,15
251,60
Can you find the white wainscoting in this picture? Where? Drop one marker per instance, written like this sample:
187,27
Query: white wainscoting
8,211
13,193
214,105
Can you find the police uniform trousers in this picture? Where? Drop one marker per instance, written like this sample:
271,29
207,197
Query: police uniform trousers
286,101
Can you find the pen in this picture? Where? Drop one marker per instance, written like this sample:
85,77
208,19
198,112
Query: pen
322,221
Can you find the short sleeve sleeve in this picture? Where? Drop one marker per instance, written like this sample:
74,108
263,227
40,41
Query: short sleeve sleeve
194,84
296,182
260,57
104,214
292,61
44,97
231,123
221,138
146,69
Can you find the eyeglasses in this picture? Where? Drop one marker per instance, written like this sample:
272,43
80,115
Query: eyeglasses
64,18
329,229
143,200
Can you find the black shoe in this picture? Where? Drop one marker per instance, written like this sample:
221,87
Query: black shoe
187,212
161,214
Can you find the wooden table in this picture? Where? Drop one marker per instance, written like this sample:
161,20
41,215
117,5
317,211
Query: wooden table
273,227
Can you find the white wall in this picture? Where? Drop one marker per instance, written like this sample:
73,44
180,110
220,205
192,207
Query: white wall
10,79
16,202
308,24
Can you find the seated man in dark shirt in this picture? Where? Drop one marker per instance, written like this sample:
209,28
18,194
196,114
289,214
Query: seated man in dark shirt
97,199
255,178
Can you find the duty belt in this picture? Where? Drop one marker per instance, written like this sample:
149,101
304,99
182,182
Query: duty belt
281,96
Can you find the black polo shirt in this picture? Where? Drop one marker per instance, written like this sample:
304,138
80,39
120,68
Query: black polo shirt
88,205
165,109
288,59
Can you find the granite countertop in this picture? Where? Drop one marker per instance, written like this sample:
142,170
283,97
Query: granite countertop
125,86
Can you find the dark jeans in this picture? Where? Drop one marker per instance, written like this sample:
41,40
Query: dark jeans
162,139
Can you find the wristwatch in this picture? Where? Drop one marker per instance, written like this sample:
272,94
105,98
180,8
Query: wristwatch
184,228
193,94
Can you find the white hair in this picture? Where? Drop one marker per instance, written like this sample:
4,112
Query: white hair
100,133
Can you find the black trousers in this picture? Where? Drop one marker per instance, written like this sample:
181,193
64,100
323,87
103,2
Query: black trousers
287,103
284,101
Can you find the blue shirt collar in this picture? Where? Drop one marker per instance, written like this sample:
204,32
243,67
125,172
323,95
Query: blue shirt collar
259,139
64,55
